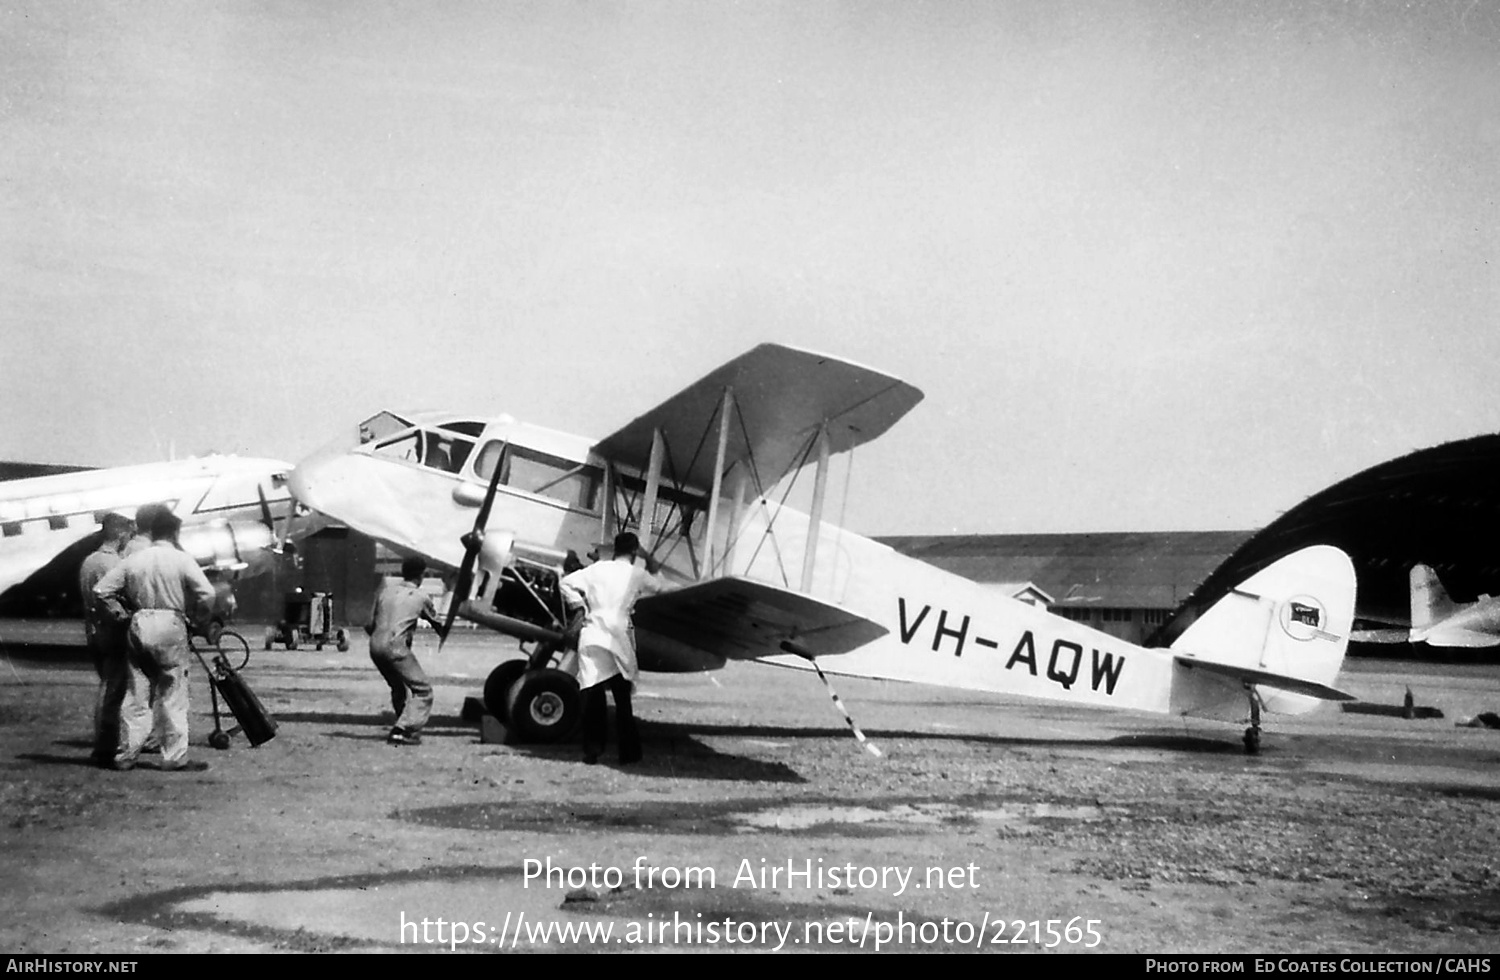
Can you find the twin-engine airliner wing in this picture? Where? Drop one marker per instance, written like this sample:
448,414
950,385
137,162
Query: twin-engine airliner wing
228,506
740,619
781,398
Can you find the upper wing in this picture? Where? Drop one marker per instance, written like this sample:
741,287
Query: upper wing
740,619
781,397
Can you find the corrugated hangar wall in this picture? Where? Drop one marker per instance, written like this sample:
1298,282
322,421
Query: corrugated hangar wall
334,560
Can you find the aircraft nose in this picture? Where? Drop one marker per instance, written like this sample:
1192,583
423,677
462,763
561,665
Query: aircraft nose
310,478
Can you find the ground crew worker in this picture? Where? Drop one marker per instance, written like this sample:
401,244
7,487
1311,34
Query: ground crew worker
144,515
105,637
392,623
607,591
159,590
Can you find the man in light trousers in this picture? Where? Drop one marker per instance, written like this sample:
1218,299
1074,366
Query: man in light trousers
161,590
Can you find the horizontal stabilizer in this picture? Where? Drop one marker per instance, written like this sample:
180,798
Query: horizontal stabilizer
740,619
781,396
1293,685
1380,636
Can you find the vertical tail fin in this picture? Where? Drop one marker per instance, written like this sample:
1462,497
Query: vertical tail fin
1429,600
1287,623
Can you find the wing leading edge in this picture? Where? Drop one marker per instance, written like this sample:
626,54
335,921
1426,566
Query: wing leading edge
781,396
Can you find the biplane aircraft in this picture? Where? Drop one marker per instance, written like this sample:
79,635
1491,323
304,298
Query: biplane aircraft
229,507
703,480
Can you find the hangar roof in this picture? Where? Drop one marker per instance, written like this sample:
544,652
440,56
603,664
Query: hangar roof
1438,506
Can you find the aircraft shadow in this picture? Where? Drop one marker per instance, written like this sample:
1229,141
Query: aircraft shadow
51,655
1146,740
48,759
381,719
670,752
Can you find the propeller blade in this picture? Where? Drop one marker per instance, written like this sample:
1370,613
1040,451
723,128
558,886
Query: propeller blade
265,510
471,542
286,529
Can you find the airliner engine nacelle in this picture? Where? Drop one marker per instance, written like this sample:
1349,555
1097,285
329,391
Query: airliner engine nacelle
242,548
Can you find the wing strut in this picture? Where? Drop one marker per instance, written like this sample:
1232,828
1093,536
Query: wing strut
653,487
713,493
859,736
815,517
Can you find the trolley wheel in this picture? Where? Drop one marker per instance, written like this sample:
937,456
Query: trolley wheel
219,740
544,706
498,685
234,648
291,638
343,641
270,636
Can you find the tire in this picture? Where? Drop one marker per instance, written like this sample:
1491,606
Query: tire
544,706
498,685
343,641
291,638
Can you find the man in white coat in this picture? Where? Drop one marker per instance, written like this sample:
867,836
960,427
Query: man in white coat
606,591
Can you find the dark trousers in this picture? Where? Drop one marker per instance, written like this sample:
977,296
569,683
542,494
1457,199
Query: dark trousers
594,720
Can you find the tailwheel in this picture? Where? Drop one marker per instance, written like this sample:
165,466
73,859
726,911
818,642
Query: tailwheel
544,706
1252,734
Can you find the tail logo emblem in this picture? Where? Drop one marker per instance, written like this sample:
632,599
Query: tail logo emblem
1303,618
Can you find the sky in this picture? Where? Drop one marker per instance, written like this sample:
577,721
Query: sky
1156,265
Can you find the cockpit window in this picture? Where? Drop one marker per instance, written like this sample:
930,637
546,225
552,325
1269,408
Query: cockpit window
407,446
435,449
574,484
381,426
472,429
444,452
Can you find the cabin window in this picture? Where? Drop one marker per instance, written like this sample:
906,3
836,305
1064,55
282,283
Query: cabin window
11,529
58,522
574,484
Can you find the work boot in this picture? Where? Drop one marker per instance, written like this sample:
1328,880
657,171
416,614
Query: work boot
400,736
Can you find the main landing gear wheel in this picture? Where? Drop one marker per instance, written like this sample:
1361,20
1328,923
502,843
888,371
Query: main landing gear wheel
544,706
498,685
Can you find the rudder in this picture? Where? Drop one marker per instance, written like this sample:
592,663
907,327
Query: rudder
1429,600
